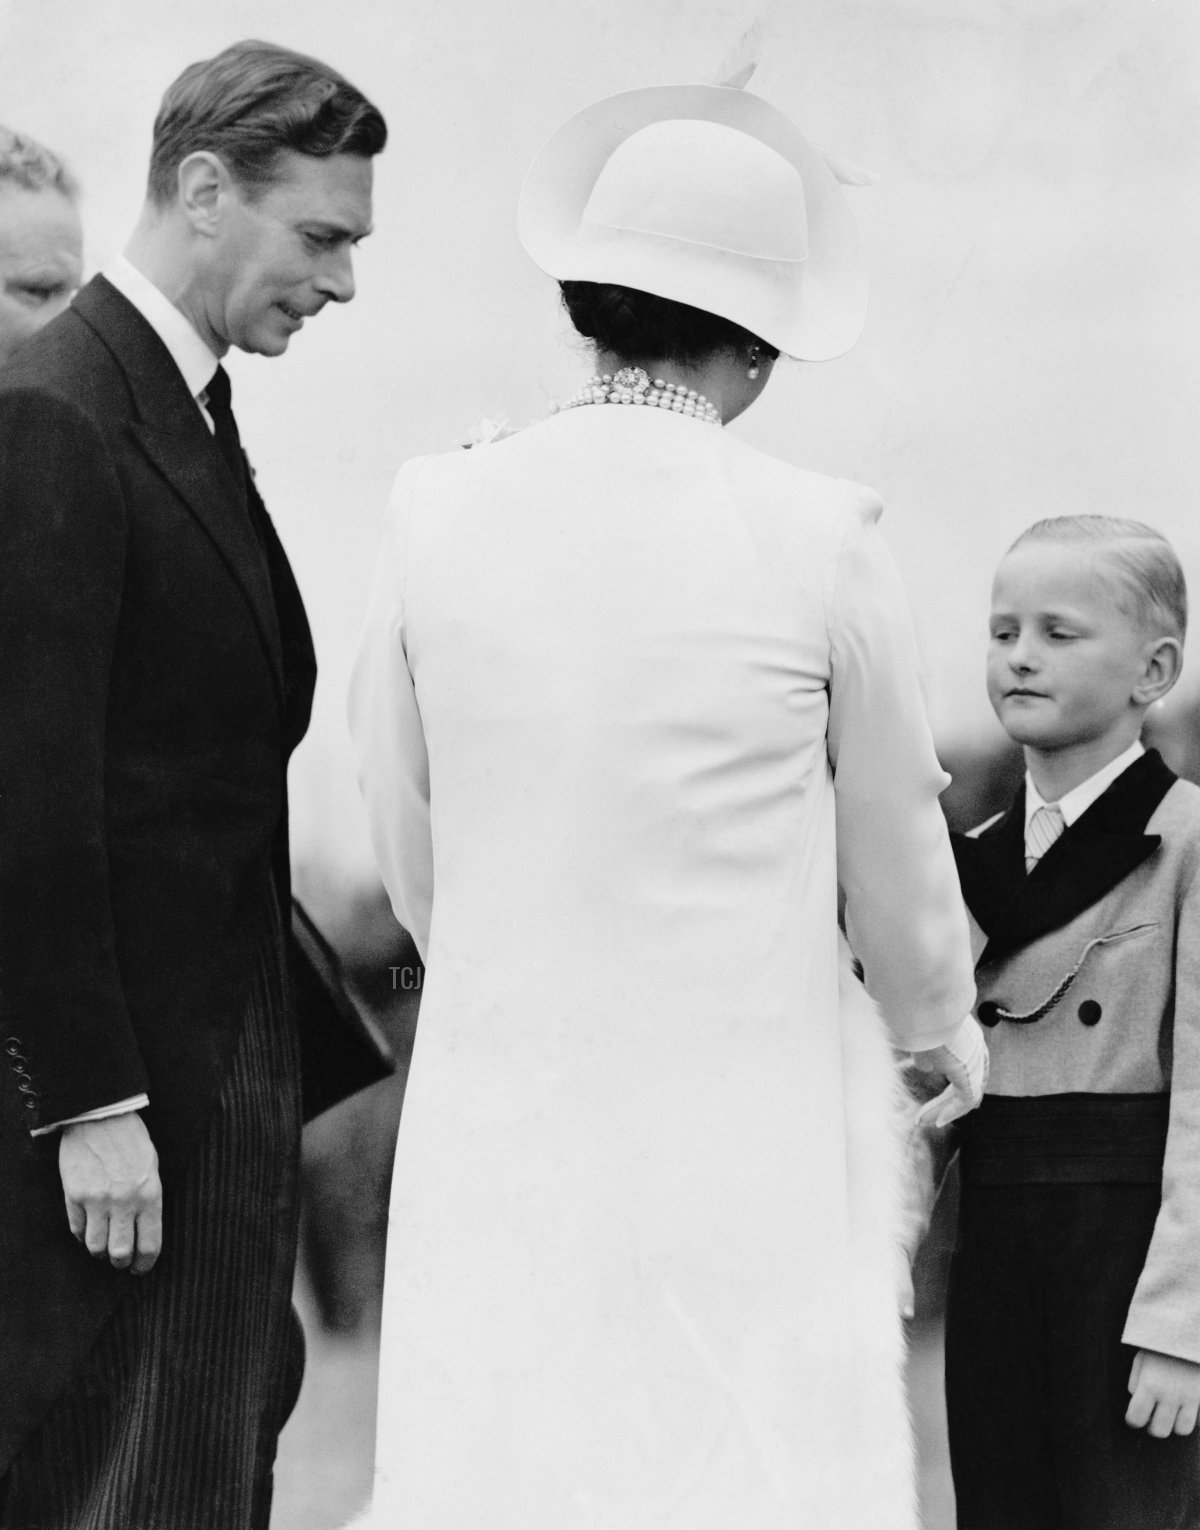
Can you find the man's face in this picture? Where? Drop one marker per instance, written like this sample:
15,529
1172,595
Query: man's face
41,261
281,254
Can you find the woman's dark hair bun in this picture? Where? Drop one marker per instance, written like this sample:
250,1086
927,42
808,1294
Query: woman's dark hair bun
636,324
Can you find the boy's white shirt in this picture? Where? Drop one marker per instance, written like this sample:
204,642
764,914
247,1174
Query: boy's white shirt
1075,803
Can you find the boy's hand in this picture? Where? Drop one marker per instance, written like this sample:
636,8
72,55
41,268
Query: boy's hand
1166,1394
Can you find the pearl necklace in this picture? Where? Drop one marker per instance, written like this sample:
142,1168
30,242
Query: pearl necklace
632,385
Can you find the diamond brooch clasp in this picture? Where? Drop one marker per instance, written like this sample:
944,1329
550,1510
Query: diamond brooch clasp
632,380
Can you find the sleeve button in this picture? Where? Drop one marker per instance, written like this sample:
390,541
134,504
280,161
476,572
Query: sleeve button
1090,1012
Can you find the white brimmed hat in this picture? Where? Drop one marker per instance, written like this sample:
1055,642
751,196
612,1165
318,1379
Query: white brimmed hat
707,195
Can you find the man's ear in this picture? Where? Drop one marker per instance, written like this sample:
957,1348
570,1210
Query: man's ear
203,181
1163,663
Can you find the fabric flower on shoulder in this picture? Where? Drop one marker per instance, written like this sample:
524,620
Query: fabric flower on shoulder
486,432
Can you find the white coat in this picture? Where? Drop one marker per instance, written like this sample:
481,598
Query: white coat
609,669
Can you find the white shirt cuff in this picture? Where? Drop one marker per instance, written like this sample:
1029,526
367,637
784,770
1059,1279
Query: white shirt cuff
102,1113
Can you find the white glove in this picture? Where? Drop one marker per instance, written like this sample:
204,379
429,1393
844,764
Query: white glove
964,1061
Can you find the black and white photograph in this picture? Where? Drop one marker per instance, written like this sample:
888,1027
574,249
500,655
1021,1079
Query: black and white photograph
599,765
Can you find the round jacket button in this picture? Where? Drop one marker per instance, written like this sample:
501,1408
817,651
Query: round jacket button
13,1047
1090,1012
989,1012
30,1104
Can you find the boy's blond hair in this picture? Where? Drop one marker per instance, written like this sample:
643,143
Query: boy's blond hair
1143,560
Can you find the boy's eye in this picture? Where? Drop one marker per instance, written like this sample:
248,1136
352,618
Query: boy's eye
1060,635
1003,634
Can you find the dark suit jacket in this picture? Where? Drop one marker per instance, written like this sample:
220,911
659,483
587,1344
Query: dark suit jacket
156,670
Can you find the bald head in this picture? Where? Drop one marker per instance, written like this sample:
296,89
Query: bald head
41,239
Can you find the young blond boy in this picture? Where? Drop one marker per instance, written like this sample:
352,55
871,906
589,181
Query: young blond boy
1073,1326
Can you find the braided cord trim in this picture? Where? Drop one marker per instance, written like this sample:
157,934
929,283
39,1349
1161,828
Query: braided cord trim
1031,1016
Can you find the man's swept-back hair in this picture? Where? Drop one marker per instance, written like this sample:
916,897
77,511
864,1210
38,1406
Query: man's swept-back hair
1143,560
252,103
26,163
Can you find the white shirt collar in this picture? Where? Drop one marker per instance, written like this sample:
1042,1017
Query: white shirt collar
188,351
1075,803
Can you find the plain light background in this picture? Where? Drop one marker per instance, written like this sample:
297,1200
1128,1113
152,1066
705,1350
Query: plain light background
1033,346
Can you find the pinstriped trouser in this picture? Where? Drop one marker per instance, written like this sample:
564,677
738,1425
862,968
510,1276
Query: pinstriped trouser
173,1420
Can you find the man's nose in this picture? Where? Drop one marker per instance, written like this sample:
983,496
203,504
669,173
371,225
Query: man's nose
336,279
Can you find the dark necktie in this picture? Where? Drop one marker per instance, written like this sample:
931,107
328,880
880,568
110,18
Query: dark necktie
217,396
217,401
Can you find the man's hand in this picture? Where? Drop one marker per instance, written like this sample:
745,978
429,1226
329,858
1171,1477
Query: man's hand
1166,1394
113,1193
964,1063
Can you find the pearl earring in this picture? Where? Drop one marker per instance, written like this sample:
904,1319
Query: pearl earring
752,372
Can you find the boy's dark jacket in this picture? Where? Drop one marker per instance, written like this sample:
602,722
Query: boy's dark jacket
1118,898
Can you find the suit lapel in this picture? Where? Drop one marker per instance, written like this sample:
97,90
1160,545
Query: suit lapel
171,432
299,659
991,864
1097,852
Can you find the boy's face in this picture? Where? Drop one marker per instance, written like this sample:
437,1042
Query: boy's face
1065,657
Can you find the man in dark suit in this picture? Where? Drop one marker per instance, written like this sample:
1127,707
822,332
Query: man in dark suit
156,671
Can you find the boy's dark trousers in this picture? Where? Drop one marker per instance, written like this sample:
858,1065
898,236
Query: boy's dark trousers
1059,1199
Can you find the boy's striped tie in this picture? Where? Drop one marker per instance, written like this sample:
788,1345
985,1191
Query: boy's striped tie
1044,828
